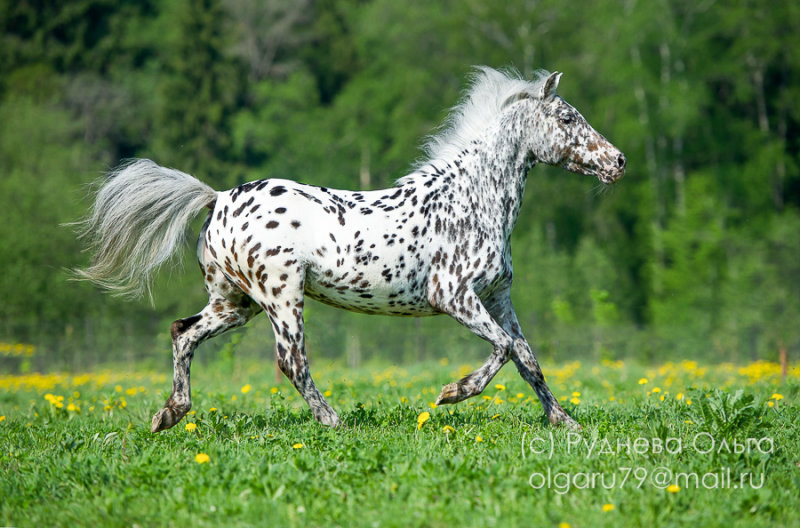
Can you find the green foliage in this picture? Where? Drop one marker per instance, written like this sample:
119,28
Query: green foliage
695,252
722,413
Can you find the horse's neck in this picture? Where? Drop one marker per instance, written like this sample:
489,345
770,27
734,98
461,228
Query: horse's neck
497,171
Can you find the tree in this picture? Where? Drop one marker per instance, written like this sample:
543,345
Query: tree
199,92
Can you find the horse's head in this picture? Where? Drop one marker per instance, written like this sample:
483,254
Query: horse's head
562,137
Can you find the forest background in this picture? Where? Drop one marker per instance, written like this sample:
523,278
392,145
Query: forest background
695,253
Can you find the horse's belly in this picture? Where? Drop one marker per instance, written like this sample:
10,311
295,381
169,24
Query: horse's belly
357,293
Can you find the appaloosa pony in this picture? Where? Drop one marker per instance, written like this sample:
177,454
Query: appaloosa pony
435,243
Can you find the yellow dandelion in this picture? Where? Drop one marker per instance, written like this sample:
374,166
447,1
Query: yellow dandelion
642,381
422,418
679,396
656,389
448,429
673,488
213,409
118,388
575,400
2,418
403,399
576,394
496,416
274,390
611,398
500,387
661,398
688,401
478,439
776,396
444,361
131,391
72,407
688,422
432,405
564,525
246,389
327,393
520,395
191,426
608,507
298,445
771,404
202,458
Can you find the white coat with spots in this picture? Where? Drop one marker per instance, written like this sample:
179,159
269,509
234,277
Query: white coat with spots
435,243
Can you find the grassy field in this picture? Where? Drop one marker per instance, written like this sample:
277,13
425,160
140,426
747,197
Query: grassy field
676,444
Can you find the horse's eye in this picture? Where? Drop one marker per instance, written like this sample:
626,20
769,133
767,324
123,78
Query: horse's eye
567,119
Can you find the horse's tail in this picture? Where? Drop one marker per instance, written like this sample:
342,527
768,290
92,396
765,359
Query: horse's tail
138,221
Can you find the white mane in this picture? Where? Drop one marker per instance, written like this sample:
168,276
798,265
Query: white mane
480,105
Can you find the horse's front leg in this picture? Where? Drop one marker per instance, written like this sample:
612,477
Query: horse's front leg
468,309
502,318
524,359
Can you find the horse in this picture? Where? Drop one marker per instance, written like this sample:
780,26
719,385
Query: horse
437,242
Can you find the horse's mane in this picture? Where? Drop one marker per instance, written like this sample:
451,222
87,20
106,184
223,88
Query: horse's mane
483,101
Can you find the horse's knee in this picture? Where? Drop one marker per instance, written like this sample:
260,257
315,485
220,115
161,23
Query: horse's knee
521,348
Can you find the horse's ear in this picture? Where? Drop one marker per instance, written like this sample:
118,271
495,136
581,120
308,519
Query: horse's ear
516,97
548,89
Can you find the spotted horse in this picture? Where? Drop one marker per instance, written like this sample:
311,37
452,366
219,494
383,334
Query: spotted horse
435,243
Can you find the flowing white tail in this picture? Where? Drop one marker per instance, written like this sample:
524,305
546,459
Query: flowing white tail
138,220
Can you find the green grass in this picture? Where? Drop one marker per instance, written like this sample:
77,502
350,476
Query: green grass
94,462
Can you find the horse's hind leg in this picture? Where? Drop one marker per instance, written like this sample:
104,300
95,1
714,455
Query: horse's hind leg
285,310
227,308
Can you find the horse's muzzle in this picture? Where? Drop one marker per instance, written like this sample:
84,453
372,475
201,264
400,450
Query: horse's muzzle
611,173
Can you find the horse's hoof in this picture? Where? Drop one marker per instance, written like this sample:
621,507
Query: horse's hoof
567,422
329,419
449,394
572,425
164,419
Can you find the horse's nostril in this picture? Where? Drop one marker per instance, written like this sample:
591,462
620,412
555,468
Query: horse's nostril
621,161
